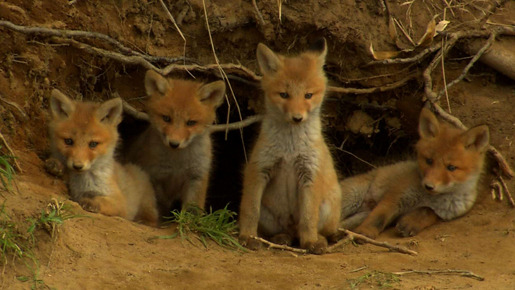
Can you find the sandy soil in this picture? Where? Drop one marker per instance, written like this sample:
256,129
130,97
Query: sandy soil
98,252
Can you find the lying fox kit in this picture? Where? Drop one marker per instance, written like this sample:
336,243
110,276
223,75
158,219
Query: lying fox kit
290,187
439,185
83,137
176,148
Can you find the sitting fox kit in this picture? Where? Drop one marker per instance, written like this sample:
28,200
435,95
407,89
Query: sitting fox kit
290,187
83,137
176,148
439,185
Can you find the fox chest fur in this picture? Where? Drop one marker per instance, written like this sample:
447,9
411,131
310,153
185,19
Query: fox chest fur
288,162
173,168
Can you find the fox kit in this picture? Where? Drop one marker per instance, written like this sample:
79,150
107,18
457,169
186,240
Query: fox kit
83,137
176,150
439,185
290,186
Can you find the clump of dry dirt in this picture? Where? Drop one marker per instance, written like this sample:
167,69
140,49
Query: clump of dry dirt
103,252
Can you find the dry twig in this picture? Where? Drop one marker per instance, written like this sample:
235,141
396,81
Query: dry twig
505,191
476,57
11,152
280,247
353,236
449,271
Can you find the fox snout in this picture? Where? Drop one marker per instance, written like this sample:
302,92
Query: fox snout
296,117
78,165
176,143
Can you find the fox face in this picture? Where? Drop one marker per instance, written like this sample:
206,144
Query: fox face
448,157
83,132
179,109
294,86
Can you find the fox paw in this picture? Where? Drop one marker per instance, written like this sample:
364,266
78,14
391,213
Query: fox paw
282,239
54,167
405,229
368,232
90,205
318,248
249,243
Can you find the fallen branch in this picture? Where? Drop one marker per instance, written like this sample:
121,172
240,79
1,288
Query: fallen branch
353,236
449,271
280,247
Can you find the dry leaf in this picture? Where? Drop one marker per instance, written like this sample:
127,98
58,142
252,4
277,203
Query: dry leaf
441,26
380,55
427,38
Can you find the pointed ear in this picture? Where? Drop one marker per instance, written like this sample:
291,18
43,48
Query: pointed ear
212,93
155,84
110,112
476,138
428,125
268,61
60,105
320,47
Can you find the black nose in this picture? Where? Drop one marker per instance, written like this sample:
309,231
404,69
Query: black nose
174,145
297,119
78,167
429,187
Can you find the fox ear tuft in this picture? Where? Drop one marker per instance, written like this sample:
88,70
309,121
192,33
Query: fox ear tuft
428,125
268,61
110,112
155,83
320,47
212,93
477,138
60,105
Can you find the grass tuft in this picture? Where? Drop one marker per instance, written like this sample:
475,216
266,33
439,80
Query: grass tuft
219,226
51,218
375,278
6,172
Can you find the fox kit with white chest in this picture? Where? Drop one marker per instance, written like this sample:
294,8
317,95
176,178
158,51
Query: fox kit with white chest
290,187
176,149
440,185
83,137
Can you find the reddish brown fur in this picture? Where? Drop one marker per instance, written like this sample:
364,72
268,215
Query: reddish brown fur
84,127
181,103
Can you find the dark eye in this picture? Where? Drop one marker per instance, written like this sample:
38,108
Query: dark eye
284,95
190,123
451,167
166,119
68,141
429,161
308,96
93,144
